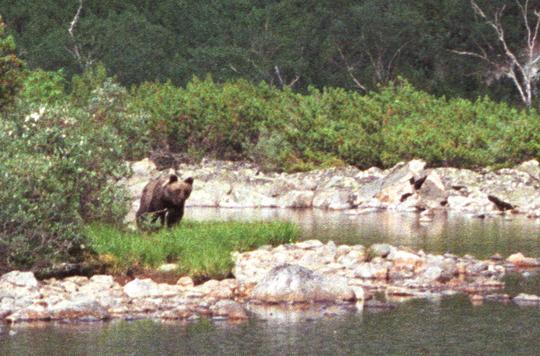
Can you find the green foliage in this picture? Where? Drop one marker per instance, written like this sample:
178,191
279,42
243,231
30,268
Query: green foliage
455,132
283,130
311,43
278,128
59,167
84,84
205,118
10,69
201,249
40,88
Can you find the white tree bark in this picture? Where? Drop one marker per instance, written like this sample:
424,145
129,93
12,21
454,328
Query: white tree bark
76,51
282,81
522,67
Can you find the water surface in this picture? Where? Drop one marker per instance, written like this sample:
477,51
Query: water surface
457,234
450,327
441,327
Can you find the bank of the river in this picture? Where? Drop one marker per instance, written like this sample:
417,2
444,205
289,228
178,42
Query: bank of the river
407,187
201,250
309,278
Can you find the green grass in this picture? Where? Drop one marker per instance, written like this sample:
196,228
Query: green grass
201,249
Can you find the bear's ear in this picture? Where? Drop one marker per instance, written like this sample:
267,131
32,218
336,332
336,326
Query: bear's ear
189,180
173,178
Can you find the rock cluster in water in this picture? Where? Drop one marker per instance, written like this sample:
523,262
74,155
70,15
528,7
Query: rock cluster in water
405,187
316,278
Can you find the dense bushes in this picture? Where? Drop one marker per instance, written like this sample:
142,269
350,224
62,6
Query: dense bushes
10,68
455,132
58,167
284,130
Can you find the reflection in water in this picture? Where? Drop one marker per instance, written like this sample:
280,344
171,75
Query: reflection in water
452,327
453,233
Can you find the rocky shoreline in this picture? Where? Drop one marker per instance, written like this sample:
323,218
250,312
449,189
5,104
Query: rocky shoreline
305,279
308,278
406,187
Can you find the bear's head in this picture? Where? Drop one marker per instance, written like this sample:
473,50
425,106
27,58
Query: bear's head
176,191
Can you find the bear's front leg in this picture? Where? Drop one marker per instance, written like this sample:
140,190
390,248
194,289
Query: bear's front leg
161,217
174,216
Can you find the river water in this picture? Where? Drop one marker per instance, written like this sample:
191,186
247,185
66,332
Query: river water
443,327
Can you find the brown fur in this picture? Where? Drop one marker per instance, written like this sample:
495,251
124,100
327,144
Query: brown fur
165,198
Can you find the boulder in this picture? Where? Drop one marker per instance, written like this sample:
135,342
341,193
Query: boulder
519,260
399,183
143,168
531,167
405,259
380,250
472,204
334,199
229,309
297,199
353,257
432,194
185,282
141,288
295,284
209,194
80,309
246,196
526,299
103,280
371,271
20,279
439,269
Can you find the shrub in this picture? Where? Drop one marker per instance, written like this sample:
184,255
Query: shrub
10,69
284,130
454,132
205,118
58,165
43,88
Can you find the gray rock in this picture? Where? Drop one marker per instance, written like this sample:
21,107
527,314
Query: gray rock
380,250
432,194
20,279
297,199
432,273
80,309
103,280
397,184
371,271
353,257
229,309
141,288
334,199
526,299
295,284
531,167
143,168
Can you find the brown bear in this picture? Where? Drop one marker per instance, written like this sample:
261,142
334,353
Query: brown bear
165,197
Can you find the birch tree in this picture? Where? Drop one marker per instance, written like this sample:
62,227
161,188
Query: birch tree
518,62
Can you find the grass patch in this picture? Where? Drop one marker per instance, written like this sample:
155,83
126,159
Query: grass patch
201,249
